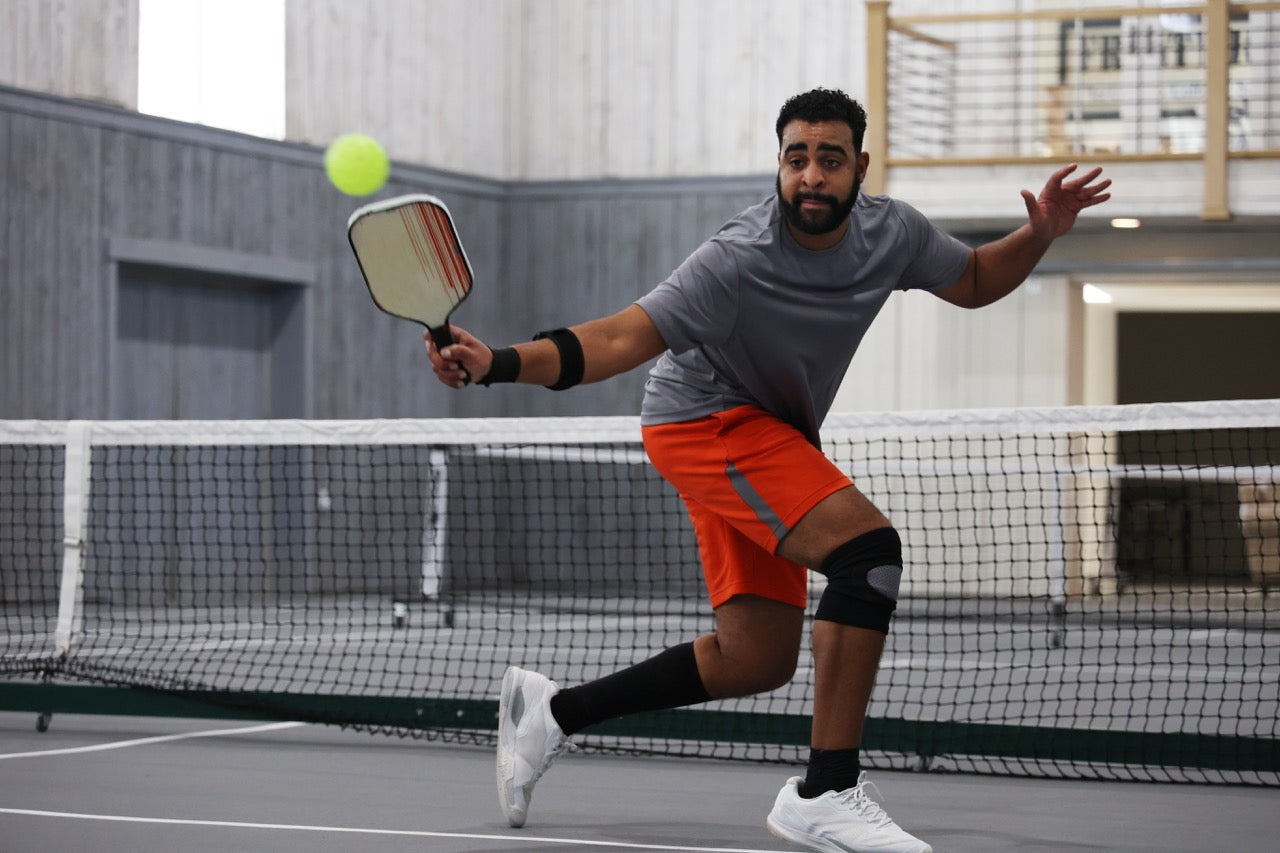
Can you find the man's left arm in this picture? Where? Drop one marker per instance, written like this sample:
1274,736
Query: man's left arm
996,269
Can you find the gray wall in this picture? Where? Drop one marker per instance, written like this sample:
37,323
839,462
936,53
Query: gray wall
94,199
100,206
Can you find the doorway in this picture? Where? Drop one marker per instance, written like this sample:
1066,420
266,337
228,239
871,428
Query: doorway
191,344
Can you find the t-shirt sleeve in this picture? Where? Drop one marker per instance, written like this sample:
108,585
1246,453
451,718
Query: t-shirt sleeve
698,304
938,258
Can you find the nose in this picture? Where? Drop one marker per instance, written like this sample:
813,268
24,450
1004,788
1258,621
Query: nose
812,176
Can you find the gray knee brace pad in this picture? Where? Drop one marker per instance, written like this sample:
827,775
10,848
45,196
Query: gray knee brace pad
862,581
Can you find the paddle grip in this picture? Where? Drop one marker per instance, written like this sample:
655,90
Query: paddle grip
443,336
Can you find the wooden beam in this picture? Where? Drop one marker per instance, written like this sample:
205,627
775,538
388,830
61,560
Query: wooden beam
877,99
1217,110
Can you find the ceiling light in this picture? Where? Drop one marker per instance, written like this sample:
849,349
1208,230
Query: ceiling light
1096,295
1126,222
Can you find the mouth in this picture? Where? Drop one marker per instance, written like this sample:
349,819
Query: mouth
814,203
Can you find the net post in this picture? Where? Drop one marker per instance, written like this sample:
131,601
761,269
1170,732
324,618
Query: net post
75,516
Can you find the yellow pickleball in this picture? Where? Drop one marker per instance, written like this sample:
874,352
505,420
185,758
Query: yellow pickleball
356,164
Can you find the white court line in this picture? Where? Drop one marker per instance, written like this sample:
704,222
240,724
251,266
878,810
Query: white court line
415,833
121,744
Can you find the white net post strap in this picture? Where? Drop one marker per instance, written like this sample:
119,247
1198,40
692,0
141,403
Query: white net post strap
75,515
436,527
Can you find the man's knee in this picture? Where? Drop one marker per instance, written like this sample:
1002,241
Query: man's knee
746,668
862,581
770,674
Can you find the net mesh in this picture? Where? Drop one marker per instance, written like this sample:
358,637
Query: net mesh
1087,591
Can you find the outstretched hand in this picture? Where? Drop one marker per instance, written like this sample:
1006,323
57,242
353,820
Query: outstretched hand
1054,212
465,359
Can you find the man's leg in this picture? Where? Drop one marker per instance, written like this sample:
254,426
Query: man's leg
754,648
845,657
845,661
853,543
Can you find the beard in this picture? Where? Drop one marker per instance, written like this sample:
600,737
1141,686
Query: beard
818,222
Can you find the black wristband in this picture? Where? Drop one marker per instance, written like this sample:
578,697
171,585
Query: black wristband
505,367
572,364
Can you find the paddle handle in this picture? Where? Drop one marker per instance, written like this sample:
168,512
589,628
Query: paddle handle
442,335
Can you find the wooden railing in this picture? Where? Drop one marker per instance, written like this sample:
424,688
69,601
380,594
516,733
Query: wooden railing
1198,83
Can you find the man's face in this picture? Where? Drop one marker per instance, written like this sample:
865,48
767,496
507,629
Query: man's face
819,173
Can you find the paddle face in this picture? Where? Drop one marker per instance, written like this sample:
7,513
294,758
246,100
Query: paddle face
412,260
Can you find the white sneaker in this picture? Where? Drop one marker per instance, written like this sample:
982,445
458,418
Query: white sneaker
839,822
529,739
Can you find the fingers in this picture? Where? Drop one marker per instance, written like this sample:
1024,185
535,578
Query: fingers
1032,203
1078,193
454,365
1096,189
1083,185
1097,199
1083,179
1056,179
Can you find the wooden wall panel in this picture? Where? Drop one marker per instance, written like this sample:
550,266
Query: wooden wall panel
52,256
426,79
66,47
77,178
564,89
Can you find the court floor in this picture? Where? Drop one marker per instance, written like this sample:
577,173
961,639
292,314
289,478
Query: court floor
157,784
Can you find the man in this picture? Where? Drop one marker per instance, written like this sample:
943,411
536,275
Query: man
756,330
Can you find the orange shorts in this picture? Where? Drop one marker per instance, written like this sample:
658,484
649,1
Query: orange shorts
746,478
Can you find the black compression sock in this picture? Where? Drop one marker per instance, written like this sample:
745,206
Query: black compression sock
830,770
667,680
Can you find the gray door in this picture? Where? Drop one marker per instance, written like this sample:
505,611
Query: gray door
199,345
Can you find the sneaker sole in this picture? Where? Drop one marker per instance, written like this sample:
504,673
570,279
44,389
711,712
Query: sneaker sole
813,843
504,763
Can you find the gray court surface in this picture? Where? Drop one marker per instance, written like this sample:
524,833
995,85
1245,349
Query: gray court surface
156,784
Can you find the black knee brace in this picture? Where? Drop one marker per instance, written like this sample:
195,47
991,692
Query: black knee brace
862,581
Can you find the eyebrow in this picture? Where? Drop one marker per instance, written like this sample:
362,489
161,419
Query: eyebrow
822,146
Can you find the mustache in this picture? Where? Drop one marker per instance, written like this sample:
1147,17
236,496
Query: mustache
829,200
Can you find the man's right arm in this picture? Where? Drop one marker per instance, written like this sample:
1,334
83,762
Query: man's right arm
610,345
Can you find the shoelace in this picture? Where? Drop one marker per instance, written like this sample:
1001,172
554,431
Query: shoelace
856,798
565,745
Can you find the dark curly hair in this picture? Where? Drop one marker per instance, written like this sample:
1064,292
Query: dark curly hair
824,105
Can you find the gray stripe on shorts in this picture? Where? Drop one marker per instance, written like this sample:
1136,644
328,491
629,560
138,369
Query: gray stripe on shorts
752,498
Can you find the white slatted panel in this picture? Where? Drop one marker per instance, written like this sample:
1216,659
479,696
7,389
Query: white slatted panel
923,353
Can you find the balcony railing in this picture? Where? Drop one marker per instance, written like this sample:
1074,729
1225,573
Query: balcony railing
1196,82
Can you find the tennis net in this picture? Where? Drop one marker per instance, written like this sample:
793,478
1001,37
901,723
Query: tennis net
1088,592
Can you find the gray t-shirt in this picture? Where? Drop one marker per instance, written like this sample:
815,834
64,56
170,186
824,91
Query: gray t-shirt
753,318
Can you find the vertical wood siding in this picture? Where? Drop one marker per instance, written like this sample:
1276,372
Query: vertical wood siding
77,177
565,89
71,47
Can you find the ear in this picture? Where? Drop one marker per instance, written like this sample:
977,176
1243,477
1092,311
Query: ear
864,160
